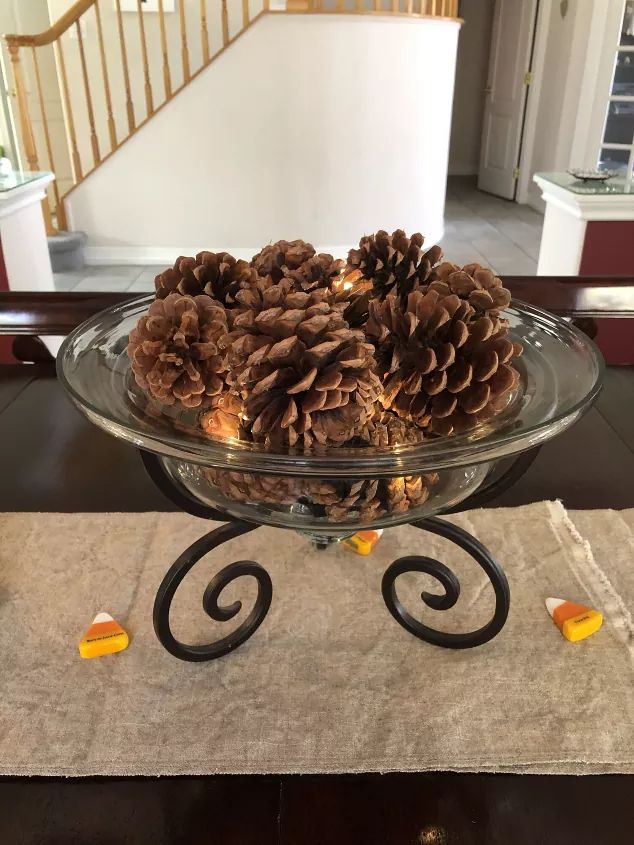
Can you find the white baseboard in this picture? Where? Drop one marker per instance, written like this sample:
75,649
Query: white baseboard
144,255
165,256
158,255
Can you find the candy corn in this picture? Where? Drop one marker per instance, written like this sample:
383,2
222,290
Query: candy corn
105,636
363,541
575,621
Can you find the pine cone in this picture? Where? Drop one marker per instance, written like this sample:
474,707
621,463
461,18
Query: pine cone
175,353
386,429
282,257
360,500
303,374
337,500
401,494
447,368
320,271
248,487
224,420
347,500
478,285
264,296
297,261
394,263
217,274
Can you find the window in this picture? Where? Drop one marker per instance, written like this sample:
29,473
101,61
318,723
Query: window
617,151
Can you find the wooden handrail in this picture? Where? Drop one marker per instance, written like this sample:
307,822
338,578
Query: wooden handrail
73,14
56,30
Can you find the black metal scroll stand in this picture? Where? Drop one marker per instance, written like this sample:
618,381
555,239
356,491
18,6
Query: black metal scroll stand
415,563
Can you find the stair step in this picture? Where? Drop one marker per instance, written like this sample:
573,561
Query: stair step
67,251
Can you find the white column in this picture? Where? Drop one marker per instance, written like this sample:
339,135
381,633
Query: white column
563,235
566,220
23,236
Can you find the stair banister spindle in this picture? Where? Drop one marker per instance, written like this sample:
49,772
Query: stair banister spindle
106,81
126,72
59,208
149,103
26,127
225,23
167,77
184,50
68,111
204,32
94,141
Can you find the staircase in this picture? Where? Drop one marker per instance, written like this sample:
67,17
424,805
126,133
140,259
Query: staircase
103,70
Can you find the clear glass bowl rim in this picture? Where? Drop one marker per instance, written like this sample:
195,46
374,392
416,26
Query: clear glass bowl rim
361,462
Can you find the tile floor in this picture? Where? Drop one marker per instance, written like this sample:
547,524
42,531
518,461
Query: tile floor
494,232
478,227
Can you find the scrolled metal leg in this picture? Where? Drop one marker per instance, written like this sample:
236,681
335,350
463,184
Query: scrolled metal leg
179,570
451,585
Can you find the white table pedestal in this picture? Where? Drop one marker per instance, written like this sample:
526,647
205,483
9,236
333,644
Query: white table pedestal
589,231
23,233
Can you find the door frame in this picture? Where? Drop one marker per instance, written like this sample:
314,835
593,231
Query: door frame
529,127
520,137
594,63
597,81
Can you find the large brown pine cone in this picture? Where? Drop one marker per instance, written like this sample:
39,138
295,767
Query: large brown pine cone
303,374
297,261
224,419
337,500
347,500
174,350
266,301
400,494
320,271
282,257
478,285
387,429
264,296
394,263
360,500
217,274
446,366
250,487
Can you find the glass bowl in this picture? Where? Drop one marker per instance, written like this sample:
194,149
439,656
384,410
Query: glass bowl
334,491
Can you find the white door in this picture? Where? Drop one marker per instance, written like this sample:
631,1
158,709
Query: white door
511,48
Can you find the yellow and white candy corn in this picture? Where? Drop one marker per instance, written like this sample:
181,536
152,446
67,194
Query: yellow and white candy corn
575,621
105,636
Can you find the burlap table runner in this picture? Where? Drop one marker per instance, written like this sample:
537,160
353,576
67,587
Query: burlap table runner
330,682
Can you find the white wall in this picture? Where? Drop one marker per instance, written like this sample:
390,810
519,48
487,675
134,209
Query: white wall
308,126
471,77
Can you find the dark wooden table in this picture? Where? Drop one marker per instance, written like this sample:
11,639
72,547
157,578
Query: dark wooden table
53,460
